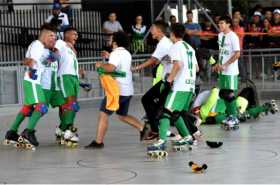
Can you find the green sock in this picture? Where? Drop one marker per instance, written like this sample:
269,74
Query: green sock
68,118
163,128
220,117
19,118
254,112
231,108
181,127
33,120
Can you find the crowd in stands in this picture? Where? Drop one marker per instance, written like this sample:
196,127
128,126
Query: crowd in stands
261,29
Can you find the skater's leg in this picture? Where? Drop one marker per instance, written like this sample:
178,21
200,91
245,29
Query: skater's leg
164,127
69,110
39,110
208,105
25,111
181,127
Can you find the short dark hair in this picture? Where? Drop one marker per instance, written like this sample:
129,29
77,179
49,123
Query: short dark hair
161,25
48,27
178,30
225,18
189,12
69,28
121,39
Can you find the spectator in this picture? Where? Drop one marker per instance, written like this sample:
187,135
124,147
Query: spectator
237,15
268,15
58,19
239,30
172,20
275,28
138,33
192,30
111,26
66,8
266,40
207,38
256,19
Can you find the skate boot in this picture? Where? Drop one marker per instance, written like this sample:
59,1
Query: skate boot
271,107
244,116
183,144
230,123
28,140
171,136
157,150
59,136
11,138
71,137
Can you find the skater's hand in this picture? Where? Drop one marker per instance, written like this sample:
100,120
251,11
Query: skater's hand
105,54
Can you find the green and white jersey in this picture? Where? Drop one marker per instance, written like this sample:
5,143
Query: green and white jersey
161,53
49,75
185,55
36,51
228,44
68,63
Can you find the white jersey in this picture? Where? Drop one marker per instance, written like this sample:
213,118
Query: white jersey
68,63
185,55
228,44
51,69
36,51
161,53
121,59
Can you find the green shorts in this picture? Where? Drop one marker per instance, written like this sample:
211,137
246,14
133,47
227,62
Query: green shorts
228,82
69,85
54,98
178,100
33,93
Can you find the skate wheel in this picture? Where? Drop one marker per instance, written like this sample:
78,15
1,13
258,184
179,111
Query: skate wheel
69,144
20,139
18,145
74,145
190,148
6,142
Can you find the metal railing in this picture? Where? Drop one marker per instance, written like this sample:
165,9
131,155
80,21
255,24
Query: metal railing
11,75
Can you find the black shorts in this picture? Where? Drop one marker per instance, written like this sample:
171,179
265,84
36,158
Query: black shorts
123,109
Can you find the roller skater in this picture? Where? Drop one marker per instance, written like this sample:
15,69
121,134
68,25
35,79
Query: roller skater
227,66
181,80
155,96
68,78
34,99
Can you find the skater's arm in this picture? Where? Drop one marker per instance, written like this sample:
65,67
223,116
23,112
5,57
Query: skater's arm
232,59
176,67
149,62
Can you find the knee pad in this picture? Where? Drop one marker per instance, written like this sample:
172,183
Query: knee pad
42,108
27,110
227,95
71,105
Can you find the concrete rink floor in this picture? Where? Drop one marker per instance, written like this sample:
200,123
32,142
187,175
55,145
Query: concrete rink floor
249,155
